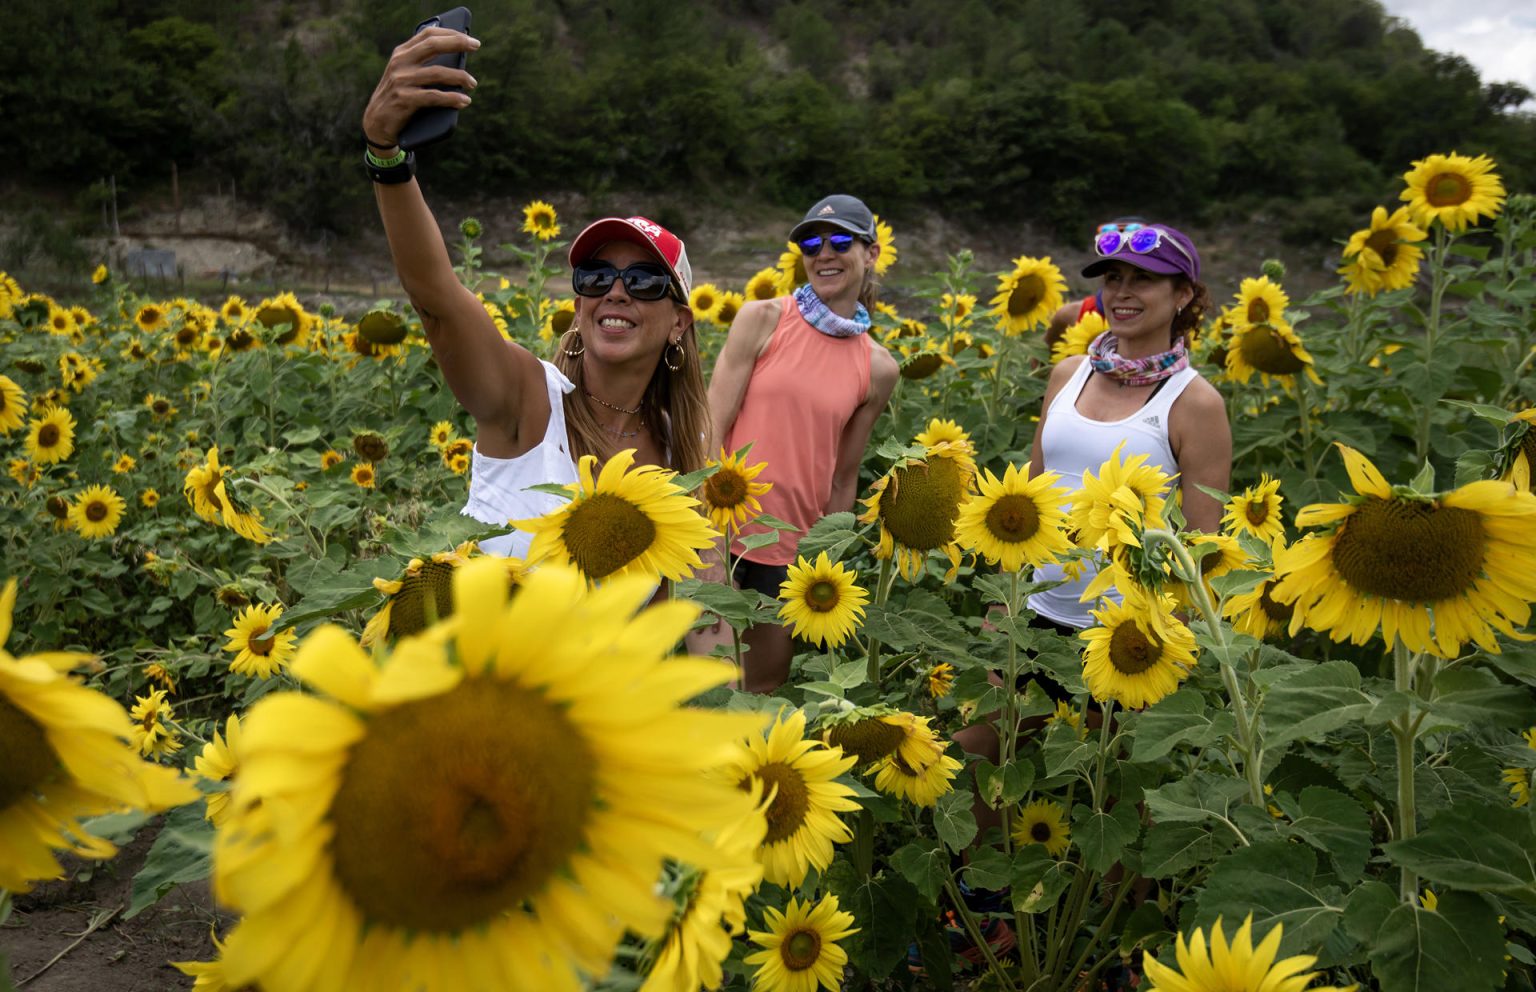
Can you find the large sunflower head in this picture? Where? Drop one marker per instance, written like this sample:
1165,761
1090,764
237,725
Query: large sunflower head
622,521
259,651
1043,822
822,602
1384,256
1435,570
66,760
800,950
917,504
285,317
1028,295
1260,301
1256,613
730,306
799,777
1256,511
13,405
705,302
96,512
1234,967
475,809
1015,521
151,317
1076,339
730,495
763,286
1126,497
922,783
1453,189
1139,652
791,269
51,436
420,597
1272,349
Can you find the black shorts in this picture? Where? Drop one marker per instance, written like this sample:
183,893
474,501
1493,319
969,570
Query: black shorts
766,579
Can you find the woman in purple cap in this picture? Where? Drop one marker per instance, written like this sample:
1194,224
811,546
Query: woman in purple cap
626,375
801,380
1135,387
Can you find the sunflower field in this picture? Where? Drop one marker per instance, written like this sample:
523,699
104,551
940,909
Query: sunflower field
1296,754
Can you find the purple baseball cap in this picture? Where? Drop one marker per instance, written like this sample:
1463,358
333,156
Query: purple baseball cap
1168,251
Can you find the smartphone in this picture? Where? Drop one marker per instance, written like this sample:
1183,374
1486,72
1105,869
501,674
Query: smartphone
430,125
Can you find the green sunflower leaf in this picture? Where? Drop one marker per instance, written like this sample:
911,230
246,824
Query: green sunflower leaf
1276,882
925,867
1487,849
885,908
1458,945
1314,701
953,819
1101,836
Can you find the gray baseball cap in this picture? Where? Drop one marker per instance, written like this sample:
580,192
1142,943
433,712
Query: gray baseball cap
839,210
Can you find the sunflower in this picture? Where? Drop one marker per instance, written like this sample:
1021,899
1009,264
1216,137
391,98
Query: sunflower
161,676
65,761
284,315
51,436
1238,967
1273,350
920,785
330,458
101,275
1015,521
1125,660
370,447
1028,295
705,301
1067,715
871,734
941,680
457,447
1385,255
1256,613
917,504
458,464
730,306
559,319
13,405
1126,497
791,269
622,522
363,475
206,488
710,912
235,310
799,776
209,975
1435,570
218,762
421,596
24,472
1453,189
1519,456
477,811
923,360
125,463
97,512
1226,557
941,431
1519,779
763,286
61,322
441,433
151,317
259,651
1256,511
800,950
152,732
382,326
1045,823
956,308
886,239
730,495
539,220
1076,339
1260,301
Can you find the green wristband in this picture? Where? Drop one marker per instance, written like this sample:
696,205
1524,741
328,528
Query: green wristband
385,163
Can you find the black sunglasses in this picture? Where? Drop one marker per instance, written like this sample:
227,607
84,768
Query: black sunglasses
642,280
840,243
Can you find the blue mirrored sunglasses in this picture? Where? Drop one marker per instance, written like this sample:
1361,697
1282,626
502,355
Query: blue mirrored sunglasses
840,243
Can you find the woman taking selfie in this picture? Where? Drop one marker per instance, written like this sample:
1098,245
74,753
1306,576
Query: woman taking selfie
801,380
626,375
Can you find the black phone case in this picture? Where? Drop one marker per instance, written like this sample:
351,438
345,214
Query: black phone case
430,125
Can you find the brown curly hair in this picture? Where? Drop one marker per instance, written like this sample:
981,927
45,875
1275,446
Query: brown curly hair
1187,321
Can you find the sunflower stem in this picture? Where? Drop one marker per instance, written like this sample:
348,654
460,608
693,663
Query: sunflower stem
1304,409
316,540
973,928
1405,730
864,844
1431,333
882,592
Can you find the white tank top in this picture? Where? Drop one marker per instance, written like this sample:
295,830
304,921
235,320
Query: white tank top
1070,443
498,487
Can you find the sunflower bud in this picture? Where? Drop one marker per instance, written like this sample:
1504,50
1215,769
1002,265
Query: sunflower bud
1274,268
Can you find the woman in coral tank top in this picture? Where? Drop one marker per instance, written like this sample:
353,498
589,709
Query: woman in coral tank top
802,381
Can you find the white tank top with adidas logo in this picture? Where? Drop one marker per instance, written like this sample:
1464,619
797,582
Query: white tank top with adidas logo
1071,444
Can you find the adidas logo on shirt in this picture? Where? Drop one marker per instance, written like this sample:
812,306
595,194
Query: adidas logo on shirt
1152,420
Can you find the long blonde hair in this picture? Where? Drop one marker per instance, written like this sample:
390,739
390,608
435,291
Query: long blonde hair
675,407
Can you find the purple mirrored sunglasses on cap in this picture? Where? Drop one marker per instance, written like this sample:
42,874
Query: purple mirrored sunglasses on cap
1136,239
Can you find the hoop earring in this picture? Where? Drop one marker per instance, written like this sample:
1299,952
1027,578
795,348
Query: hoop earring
579,340
682,357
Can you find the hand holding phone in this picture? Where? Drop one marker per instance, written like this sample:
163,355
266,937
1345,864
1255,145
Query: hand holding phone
430,125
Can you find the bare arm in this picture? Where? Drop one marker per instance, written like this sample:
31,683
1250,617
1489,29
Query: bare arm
883,372
1059,376
498,383
747,339
1202,442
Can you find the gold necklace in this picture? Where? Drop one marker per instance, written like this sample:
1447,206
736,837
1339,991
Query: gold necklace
616,409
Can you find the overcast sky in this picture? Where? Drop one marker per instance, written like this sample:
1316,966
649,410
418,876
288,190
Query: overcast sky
1496,36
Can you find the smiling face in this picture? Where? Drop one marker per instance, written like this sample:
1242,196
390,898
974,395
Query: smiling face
839,277
618,328
1140,307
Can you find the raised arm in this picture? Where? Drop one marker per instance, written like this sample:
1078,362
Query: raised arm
883,373
500,384
747,339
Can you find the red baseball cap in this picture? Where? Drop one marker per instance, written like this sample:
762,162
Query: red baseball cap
666,246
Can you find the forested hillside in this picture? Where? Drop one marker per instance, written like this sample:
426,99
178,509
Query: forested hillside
1051,110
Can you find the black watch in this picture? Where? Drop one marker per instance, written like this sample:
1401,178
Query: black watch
390,175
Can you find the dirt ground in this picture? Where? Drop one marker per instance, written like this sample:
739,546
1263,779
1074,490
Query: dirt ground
49,950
